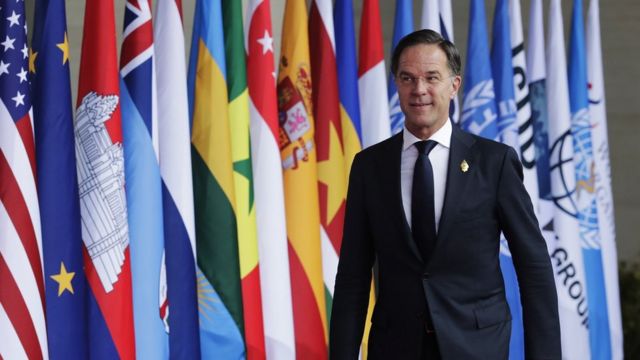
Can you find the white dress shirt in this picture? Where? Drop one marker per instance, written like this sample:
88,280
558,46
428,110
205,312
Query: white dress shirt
439,158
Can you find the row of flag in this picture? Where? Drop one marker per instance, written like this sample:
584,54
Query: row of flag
552,112
195,210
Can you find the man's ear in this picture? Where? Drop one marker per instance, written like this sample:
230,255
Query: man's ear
456,83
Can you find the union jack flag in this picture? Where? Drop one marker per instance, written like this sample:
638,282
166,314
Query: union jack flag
22,322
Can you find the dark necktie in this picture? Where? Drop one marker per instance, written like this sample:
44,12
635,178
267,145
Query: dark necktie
423,223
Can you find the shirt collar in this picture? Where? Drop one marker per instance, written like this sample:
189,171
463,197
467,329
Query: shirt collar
442,136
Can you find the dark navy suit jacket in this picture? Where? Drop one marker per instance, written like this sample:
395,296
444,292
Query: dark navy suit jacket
462,281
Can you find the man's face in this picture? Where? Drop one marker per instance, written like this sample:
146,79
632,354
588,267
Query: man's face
425,88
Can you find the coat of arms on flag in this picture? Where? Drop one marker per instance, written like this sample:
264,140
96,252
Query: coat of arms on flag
101,178
294,123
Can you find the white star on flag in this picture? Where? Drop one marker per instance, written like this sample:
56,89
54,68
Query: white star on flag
25,51
4,68
22,75
266,42
13,19
19,99
8,43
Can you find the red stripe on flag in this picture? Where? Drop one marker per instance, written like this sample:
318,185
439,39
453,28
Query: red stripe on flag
116,306
136,42
26,134
307,323
98,65
252,302
179,5
326,104
370,52
14,202
260,69
333,227
13,302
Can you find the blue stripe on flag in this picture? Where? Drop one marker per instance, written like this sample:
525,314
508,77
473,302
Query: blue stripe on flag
181,281
99,340
207,27
220,337
144,203
347,66
140,88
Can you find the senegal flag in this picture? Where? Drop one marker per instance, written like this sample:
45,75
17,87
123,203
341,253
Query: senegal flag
243,177
219,291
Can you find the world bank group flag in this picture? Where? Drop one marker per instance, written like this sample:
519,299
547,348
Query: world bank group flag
65,283
599,337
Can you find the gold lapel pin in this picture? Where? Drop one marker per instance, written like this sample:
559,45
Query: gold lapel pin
464,166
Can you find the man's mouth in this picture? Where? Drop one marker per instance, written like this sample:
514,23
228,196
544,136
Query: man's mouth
420,104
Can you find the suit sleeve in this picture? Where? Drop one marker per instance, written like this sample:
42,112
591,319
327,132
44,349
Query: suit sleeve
353,280
531,261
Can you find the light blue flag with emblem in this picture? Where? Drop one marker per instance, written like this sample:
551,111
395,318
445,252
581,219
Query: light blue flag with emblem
144,205
402,25
599,336
479,113
143,184
501,65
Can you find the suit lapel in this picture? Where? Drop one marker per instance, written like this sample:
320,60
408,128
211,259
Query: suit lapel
457,180
389,170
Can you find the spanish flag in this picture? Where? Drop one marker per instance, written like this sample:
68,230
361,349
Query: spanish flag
298,153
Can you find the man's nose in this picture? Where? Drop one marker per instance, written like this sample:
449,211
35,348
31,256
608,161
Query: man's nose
420,86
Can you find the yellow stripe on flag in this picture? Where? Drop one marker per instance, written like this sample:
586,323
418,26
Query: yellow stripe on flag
245,211
350,138
211,132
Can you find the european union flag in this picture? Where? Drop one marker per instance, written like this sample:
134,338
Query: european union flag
65,284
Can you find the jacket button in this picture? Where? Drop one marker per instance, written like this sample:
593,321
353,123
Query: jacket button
426,275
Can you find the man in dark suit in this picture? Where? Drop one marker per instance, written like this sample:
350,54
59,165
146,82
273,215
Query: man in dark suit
431,213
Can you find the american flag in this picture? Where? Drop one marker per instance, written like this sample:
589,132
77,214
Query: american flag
22,323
